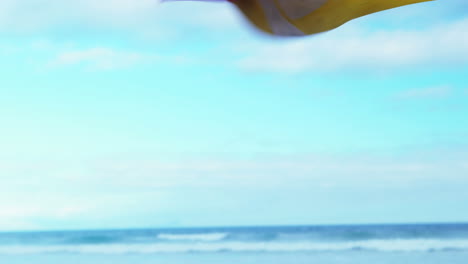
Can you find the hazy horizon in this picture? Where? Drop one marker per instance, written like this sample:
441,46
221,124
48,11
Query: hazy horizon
195,228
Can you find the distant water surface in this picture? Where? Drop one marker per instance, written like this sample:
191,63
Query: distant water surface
435,243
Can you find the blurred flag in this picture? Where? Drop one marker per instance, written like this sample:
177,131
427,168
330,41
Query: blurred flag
306,17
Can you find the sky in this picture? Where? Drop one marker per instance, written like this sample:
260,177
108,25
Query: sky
135,114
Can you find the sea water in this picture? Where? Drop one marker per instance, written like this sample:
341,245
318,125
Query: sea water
435,243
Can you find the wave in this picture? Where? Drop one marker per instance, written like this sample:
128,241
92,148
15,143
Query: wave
193,237
409,245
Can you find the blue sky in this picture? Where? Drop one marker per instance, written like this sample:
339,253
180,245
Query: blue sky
134,114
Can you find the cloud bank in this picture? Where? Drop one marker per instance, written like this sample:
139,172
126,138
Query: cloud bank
88,192
385,50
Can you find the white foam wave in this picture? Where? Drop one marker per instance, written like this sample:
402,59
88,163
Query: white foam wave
193,237
409,245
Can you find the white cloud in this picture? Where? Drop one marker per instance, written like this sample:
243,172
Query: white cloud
431,92
107,58
29,210
337,50
147,19
37,14
22,213
100,58
47,55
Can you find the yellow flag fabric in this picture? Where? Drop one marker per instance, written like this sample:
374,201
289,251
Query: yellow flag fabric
306,17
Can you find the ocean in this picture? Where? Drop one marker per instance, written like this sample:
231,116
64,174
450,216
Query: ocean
376,244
